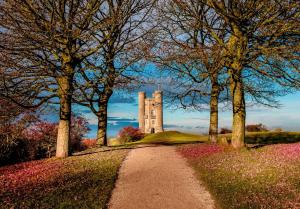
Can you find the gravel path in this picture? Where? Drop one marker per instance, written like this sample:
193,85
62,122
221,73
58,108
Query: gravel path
159,178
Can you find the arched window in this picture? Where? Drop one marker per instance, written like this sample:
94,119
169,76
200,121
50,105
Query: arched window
152,112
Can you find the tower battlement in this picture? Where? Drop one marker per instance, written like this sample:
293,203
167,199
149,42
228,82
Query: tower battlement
151,112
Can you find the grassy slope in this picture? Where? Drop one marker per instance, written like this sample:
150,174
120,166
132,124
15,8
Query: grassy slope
173,137
267,177
176,137
84,181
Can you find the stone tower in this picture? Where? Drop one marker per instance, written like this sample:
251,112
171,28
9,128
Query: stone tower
151,112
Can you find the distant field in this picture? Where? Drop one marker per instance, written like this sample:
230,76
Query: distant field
265,138
175,137
82,181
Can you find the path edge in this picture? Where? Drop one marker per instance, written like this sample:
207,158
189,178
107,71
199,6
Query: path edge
116,180
200,181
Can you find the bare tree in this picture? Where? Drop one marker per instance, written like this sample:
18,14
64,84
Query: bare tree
119,59
46,41
192,57
263,37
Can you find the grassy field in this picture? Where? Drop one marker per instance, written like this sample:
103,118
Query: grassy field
167,137
254,138
266,177
82,181
173,137
265,138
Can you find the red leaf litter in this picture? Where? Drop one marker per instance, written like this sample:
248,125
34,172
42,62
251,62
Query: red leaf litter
29,173
200,150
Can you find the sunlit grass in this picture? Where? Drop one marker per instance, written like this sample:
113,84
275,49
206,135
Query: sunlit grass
270,137
176,137
173,137
267,177
83,181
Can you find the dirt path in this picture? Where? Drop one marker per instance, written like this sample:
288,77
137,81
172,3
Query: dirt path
158,178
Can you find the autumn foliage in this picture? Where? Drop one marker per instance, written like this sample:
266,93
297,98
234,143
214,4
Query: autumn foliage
24,135
83,181
200,150
88,143
130,134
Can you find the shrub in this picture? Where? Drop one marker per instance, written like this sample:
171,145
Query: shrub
225,131
14,146
41,138
256,128
130,134
88,143
79,127
28,138
11,149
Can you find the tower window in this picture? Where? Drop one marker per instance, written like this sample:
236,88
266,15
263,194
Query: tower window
152,112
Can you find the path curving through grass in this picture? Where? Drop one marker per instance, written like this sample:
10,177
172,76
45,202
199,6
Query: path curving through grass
155,177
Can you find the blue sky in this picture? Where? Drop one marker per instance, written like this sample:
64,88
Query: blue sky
124,111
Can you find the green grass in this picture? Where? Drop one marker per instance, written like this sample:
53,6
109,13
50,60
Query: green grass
176,137
272,137
265,138
266,177
172,137
82,181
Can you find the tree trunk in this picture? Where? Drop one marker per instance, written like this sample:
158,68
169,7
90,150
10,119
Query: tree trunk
63,135
103,102
102,117
213,127
238,108
238,44
102,124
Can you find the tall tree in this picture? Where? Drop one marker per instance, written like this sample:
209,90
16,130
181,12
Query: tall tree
48,40
118,60
192,57
263,38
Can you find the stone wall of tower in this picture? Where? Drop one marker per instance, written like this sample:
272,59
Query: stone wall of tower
159,111
148,117
151,113
142,111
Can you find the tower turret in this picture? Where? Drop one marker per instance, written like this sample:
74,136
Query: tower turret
151,113
159,111
142,111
